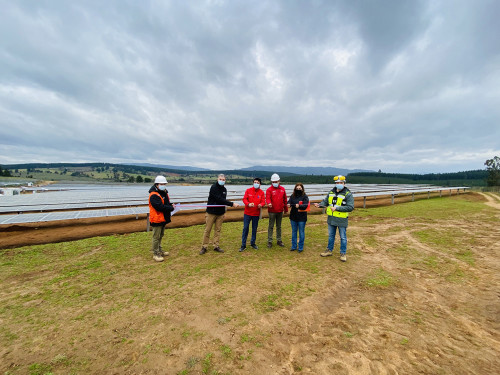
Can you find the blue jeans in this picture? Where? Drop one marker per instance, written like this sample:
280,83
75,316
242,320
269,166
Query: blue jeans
246,224
299,226
332,229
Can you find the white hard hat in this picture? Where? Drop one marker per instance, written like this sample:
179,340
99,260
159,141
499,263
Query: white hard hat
160,180
275,177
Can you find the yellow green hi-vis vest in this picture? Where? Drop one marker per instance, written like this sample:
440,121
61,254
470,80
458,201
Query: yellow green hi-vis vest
339,201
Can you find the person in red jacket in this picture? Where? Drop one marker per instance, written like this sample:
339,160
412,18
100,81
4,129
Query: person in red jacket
276,205
254,199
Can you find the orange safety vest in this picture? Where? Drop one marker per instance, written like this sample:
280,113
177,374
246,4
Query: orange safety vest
154,215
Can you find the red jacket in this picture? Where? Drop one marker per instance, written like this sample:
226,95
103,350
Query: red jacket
276,197
256,197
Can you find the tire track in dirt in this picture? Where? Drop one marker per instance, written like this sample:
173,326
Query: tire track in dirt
425,320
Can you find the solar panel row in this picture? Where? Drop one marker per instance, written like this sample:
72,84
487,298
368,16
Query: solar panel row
83,214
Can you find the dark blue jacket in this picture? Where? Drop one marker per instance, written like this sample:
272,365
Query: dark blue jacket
218,196
295,215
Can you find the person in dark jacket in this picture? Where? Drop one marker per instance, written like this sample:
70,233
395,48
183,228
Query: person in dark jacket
299,204
215,215
159,215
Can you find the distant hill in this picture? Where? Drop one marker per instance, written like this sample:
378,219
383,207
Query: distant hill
165,166
318,171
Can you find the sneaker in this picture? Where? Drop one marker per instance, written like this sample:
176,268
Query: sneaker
165,253
269,244
242,249
158,258
218,249
279,243
203,250
254,246
343,257
327,253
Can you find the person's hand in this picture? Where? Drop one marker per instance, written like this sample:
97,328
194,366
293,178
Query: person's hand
260,206
333,208
316,205
288,205
297,205
251,205
173,205
270,205
236,205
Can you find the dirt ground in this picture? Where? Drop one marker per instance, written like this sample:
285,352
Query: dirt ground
440,314
16,235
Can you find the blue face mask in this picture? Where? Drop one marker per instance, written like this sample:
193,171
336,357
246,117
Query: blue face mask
221,183
275,184
162,187
256,185
339,186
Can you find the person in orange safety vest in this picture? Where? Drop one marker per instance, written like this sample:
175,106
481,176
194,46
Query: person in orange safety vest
160,210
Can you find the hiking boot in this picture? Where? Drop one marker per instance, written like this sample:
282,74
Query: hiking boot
269,244
242,249
327,253
165,253
343,257
158,258
279,243
218,249
254,246
293,249
203,250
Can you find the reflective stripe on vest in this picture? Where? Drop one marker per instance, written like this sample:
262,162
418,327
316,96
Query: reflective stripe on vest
154,215
339,202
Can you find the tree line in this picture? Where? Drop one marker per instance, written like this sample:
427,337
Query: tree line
490,176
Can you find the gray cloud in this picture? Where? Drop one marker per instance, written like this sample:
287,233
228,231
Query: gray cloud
398,85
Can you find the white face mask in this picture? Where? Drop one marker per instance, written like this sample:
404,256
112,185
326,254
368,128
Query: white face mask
275,184
256,185
221,182
162,187
339,186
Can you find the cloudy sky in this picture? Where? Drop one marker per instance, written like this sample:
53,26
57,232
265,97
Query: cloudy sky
401,86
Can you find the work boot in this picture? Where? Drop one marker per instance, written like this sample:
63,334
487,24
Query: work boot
269,244
279,243
343,257
203,250
242,248
327,253
158,258
218,249
254,246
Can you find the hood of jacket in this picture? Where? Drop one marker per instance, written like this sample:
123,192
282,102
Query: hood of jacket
162,193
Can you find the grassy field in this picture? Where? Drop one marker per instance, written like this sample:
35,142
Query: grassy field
419,294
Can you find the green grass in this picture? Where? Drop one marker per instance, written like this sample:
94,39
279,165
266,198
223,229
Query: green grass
108,287
379,279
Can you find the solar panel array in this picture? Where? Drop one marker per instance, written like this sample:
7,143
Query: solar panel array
70,205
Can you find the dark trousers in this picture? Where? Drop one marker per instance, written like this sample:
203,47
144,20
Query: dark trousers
246,225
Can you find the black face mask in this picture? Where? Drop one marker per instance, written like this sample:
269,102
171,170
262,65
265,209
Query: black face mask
298,192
